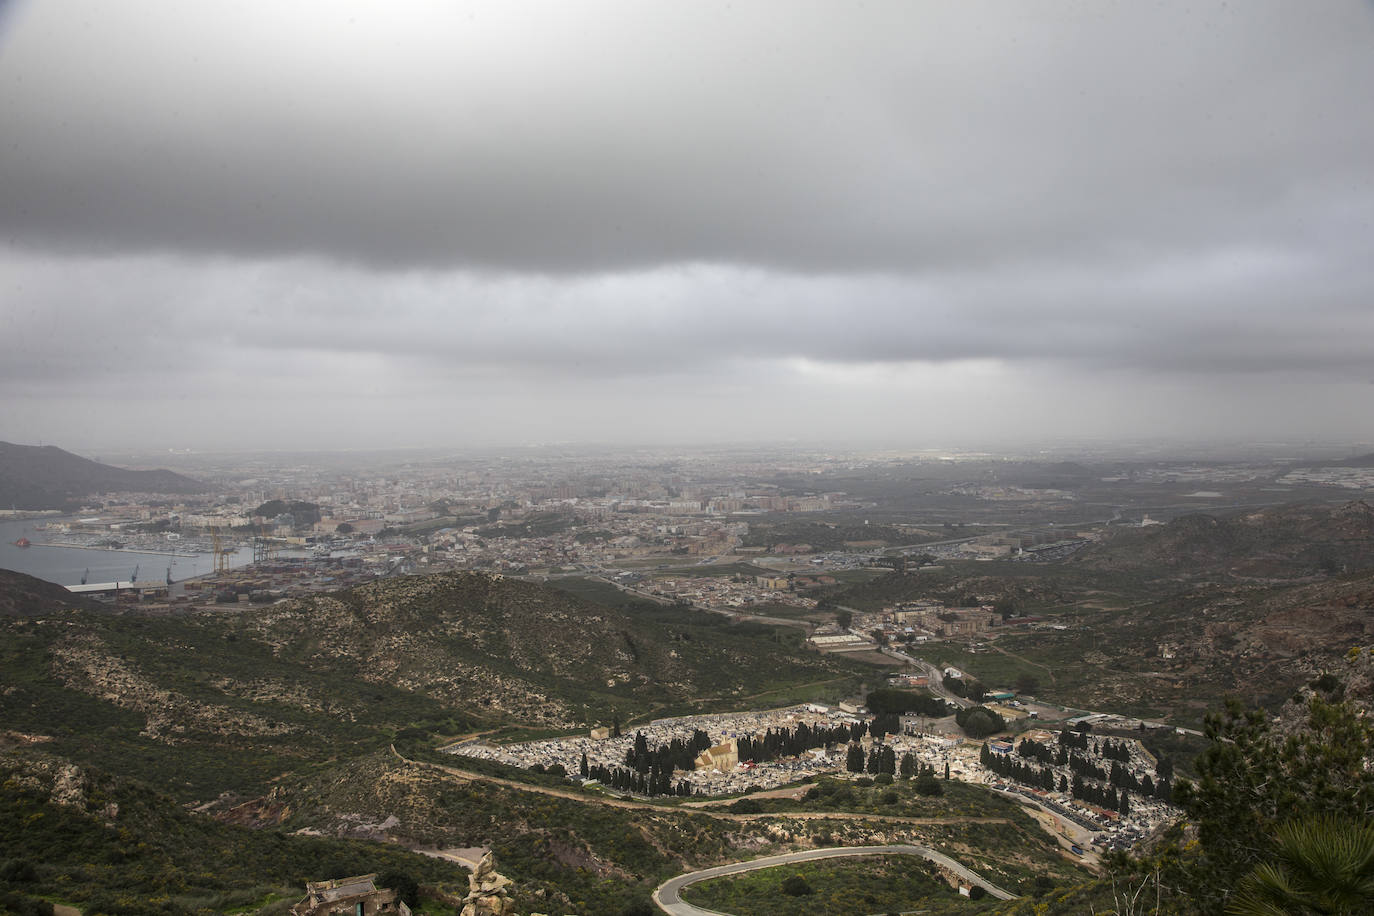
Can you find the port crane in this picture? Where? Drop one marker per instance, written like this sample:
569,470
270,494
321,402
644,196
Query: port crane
221,552
264,547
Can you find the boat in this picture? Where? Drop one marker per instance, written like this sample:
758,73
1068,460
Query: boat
22,542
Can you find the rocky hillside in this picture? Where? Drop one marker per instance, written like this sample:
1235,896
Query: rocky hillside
523,650
244,697
112,845
1167,620
1187,651
1285,542
46,477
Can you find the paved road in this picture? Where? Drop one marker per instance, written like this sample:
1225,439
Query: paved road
934,677
669,899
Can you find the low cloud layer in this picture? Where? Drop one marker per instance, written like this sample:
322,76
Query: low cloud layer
577,212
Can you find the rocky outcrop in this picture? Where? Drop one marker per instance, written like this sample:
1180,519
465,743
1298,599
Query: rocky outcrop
489,892
83,662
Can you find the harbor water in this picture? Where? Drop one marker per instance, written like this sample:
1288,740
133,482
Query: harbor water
67,565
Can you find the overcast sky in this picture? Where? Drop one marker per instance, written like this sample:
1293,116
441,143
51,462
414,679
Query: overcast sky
333,224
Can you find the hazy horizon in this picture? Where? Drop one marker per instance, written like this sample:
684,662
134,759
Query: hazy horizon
323,226
1104,451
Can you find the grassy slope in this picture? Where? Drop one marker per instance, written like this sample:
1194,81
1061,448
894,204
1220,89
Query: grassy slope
114,846
876,884
1201,590
597,859
208,703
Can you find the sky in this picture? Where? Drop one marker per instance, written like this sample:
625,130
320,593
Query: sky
335,225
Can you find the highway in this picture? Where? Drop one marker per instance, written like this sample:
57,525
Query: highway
668,895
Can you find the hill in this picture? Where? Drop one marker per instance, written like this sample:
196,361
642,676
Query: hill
580,854
541,655
283,717
113,845
46,477
210,702
24,595
1285,542
1167,620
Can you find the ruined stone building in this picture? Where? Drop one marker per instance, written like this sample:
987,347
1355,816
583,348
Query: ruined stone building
355,896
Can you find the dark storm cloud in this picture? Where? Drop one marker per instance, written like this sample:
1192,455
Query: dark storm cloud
72,323
549,214
585,137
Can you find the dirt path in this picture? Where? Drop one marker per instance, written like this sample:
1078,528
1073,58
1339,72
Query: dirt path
468,857
468,776
755,696
792,792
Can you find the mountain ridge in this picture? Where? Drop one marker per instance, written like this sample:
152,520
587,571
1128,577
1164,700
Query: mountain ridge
40,477
1279,543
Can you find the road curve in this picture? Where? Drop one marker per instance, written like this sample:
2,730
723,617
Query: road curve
668,895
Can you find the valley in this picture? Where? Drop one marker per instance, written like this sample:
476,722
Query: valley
329,715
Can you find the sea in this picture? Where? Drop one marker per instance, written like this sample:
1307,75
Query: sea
67,565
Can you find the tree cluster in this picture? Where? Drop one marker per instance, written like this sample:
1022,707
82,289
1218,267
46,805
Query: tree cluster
1009,766
1073,739
1081,765
969,689
1255,780
1114,750
302,513
924,774
794,742
979,721
889,700
1102,796
889,723
881,759
1088,777
649,772
676,754
1029,747
654,782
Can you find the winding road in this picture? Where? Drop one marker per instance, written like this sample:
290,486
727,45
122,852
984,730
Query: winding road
668,895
